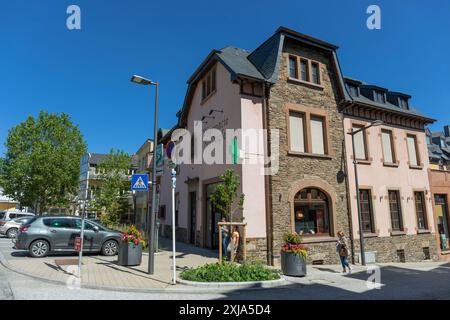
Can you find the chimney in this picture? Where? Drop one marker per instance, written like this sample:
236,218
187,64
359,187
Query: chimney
447,131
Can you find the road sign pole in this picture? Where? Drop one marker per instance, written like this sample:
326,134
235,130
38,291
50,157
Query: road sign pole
80,254
174,264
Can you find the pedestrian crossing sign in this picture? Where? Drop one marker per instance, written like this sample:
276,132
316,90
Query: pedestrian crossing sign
139,182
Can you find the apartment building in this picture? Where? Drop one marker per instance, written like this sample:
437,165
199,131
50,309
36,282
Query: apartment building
392,161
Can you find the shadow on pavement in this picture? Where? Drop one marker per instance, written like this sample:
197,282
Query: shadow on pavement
396,283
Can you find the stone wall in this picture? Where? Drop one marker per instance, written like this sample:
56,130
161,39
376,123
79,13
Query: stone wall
386,247
296,168
181,234
257,250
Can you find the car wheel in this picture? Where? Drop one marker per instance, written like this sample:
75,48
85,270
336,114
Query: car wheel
110,248
39,248
12,233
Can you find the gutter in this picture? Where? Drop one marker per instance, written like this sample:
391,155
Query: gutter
267,179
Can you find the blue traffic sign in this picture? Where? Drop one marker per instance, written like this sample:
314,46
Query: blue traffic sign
139,182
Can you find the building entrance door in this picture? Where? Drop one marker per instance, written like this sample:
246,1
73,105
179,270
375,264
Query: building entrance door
213,216
192,216
442,216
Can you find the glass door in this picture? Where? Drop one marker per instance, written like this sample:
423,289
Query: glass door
441,209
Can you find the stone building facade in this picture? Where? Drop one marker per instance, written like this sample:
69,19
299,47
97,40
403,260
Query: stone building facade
292,86
302,170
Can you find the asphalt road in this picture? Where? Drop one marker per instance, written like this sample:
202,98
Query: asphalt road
425,280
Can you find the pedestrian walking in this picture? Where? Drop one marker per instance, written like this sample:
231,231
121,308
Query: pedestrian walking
342,250
225,238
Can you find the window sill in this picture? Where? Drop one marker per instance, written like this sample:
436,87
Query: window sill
390,164
311,84
423,231
445,252
366,162
416,167
311,155
208,97
370,235
398,233
318,239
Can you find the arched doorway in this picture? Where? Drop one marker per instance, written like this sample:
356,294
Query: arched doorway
312,212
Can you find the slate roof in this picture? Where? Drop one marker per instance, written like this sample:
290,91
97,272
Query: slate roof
236,60
387,105
97,158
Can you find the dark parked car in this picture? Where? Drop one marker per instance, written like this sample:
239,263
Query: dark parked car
44,235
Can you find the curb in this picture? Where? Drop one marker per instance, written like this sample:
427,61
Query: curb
189,286
236,285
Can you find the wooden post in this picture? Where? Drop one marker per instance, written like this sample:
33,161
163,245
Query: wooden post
220,241
244,237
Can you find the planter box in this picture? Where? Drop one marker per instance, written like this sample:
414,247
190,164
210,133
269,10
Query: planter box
129,254
292,264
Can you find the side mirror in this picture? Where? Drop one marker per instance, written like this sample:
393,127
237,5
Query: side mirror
96,229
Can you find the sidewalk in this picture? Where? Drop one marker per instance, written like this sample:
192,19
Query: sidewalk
103,272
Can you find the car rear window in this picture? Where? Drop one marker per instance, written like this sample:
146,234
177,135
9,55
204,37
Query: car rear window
2,214
59,223
24,219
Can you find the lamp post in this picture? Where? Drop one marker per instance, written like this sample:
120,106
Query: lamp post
355,162
151,247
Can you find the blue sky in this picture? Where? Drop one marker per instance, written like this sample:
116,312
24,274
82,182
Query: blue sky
86,72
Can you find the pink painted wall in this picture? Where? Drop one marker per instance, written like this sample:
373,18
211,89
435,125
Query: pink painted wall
381,178
238,113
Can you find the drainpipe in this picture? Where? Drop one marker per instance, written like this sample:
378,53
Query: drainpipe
347,185
267,181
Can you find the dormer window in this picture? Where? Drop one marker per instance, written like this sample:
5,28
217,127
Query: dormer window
378,96
304,70
403,103
353,90
443,143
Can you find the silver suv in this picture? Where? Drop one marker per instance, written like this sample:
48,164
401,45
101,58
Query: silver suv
44,235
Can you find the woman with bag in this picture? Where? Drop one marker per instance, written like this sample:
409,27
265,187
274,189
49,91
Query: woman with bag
342,250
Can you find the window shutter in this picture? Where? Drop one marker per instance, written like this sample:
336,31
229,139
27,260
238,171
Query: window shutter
317,138
360,148
296,129
387,147
412,150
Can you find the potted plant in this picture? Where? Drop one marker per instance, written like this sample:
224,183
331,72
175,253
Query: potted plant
293,255
130,248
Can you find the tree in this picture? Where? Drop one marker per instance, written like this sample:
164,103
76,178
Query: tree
112,195
42,161
225,197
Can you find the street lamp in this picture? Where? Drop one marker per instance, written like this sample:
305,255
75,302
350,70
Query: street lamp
151,253
355,162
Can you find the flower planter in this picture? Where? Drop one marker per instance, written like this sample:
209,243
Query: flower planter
129,254
293,264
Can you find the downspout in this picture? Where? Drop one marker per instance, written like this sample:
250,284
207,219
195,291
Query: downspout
346,102
267,180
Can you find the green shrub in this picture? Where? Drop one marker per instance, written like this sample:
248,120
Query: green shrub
230,272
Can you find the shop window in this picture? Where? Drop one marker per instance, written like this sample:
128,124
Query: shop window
312,212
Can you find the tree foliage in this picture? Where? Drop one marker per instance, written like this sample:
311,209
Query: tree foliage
225,197
42,161
112,196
